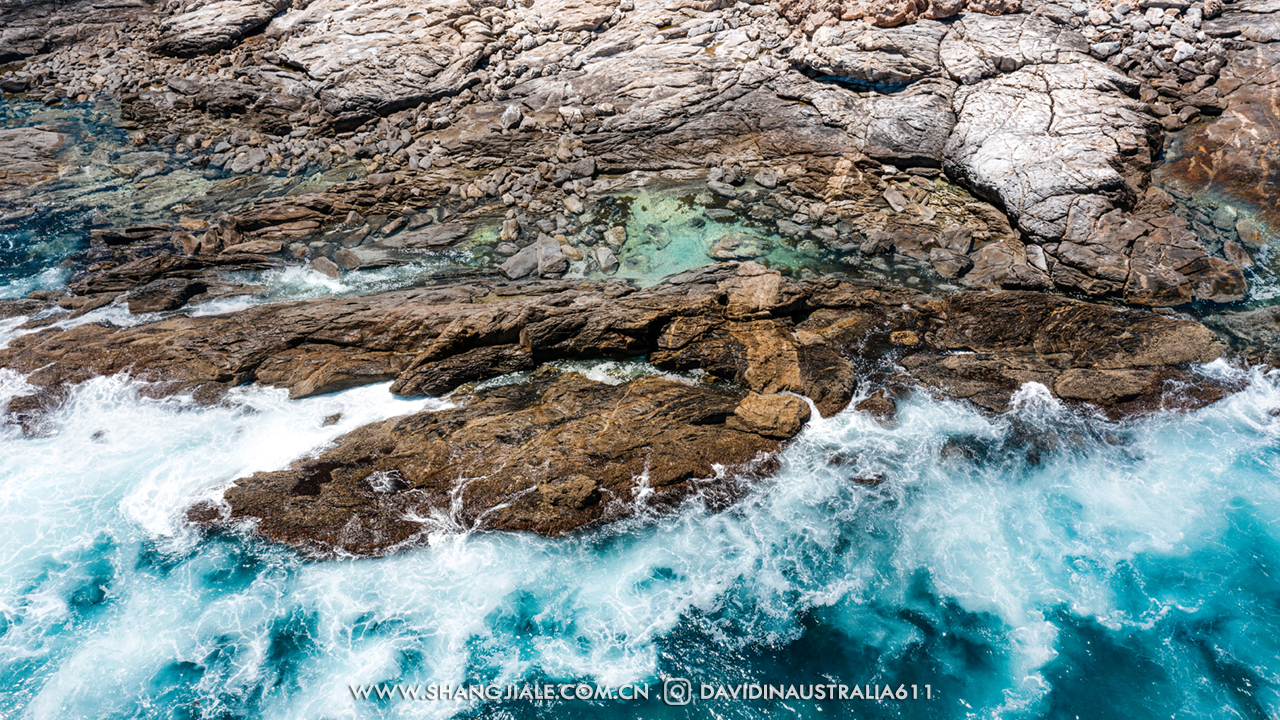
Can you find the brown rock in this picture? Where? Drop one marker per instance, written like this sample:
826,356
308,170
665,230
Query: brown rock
255,247
774,415
879,406
580,446
904,337
168,294
346,259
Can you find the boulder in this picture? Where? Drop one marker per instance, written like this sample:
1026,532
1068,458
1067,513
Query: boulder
773,415
166,294
207,27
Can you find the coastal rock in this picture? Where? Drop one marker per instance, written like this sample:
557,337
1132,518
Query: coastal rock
552,455
167,294
28,156
206,27
430,237
880,406
772,416
1237,153
741,324
373,56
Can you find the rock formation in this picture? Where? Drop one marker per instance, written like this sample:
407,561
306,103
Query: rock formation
971,157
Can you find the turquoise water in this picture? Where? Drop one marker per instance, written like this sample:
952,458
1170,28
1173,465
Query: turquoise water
103,177
1041,564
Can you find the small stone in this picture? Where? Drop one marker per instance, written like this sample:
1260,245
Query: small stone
721,188
583,168
347,260
615,236
1237,255
1104,49
573,204
949,264
520,264
606,259
255,247
895,199
512,116
1224,218
905,338
879,406
326,267
767,178
1250,235
551,259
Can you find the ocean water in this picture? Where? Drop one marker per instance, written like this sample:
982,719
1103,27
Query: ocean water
1041,564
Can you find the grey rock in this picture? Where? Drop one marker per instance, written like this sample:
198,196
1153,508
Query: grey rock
551,259
512,116
606,259
347,260
521,264
948,263
767,178
164,294
432,236
583,168
722,189
246,160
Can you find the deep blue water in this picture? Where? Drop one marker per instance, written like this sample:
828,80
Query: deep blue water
1036,565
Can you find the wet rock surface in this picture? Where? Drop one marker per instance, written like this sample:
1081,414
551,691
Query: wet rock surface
551,455
564,163
28,157
1052,113
740,324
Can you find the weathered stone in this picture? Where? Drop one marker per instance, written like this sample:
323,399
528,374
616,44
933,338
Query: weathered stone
774,416
347,260
327,267
582,446
606,259
880,406
948,263
430,237
212,26
255,247
29,156
161,295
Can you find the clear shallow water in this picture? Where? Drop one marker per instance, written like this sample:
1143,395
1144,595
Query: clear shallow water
1039,564
103,175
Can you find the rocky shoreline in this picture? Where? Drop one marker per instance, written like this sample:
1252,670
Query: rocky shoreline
891,194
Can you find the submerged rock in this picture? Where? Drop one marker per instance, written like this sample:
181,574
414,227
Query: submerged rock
28,156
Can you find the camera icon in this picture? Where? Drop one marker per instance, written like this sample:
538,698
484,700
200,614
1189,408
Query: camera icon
677,691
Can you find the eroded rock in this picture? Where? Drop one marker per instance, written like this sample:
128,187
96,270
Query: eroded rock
550,456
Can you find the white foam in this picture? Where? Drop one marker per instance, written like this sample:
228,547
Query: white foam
1000,539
